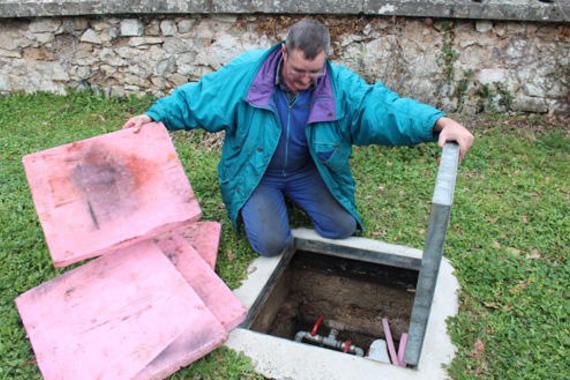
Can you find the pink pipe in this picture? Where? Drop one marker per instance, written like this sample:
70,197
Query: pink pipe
402,349
390,341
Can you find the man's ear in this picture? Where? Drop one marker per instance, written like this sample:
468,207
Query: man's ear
284,50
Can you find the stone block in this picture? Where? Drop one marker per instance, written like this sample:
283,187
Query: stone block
90,36
110,57
128,52
166,66
177,79
104,193
113,316
135,80
43,38
152,28
10,53
168,28
529,104
38,54
108,35
12,40
490,76
80,23
117,91
131,28
100,26
185,26
158,84
44,25
483,26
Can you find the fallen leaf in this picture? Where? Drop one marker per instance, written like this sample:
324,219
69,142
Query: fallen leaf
491,305
478,350
519,287
534,254
231,255
514,251
379,233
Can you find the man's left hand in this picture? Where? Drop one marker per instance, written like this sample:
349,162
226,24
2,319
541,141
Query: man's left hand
450,130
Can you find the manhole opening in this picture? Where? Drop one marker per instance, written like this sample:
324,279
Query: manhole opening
352,296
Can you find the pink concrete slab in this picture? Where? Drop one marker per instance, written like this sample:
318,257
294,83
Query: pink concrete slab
98,195
204,237
215,294
111,317
189,347
209,287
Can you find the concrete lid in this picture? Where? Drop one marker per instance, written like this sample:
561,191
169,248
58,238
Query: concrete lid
152,303
217,297
204,237
113,316
104,193
209,287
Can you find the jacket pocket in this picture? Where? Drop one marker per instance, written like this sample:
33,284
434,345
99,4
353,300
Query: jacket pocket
326,151
335,156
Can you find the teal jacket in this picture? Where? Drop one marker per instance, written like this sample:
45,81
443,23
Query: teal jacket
345,111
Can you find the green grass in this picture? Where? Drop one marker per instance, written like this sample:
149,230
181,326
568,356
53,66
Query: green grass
508,240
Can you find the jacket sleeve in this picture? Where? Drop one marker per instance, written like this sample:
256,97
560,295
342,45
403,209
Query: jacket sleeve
379,116
209,103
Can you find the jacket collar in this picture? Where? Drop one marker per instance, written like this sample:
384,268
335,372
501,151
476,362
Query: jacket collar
261,89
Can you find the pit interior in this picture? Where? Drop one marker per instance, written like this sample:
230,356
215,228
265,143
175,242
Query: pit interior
353,296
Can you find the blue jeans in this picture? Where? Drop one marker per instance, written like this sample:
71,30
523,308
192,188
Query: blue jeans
265,213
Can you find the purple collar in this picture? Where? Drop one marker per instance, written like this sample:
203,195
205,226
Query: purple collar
261,90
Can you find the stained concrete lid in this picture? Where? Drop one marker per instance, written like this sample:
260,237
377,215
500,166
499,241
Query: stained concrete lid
204,238
197,272
153,303
98,195
120,316
217,297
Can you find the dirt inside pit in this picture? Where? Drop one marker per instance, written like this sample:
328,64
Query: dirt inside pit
352,296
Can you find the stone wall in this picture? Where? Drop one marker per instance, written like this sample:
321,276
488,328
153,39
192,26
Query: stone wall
461,65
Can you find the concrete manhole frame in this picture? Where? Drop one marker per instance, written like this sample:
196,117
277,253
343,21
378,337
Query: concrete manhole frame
429,345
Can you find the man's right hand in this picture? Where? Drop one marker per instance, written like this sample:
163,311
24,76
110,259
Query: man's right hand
137,122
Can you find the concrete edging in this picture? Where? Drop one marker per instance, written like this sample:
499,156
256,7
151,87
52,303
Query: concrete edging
519,10
283,359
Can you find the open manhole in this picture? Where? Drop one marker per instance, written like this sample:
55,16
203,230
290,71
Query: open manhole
318,295
322,303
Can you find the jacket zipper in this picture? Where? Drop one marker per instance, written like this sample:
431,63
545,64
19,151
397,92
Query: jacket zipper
290,105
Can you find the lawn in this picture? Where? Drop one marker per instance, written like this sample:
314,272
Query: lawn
509,237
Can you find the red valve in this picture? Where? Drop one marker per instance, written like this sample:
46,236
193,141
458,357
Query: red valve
316,326
347,345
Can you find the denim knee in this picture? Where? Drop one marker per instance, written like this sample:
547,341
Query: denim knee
270,244
343,227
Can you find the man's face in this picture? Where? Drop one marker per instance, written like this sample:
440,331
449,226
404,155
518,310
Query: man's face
299,73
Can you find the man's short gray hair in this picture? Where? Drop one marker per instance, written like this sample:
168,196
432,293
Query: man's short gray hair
311,37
